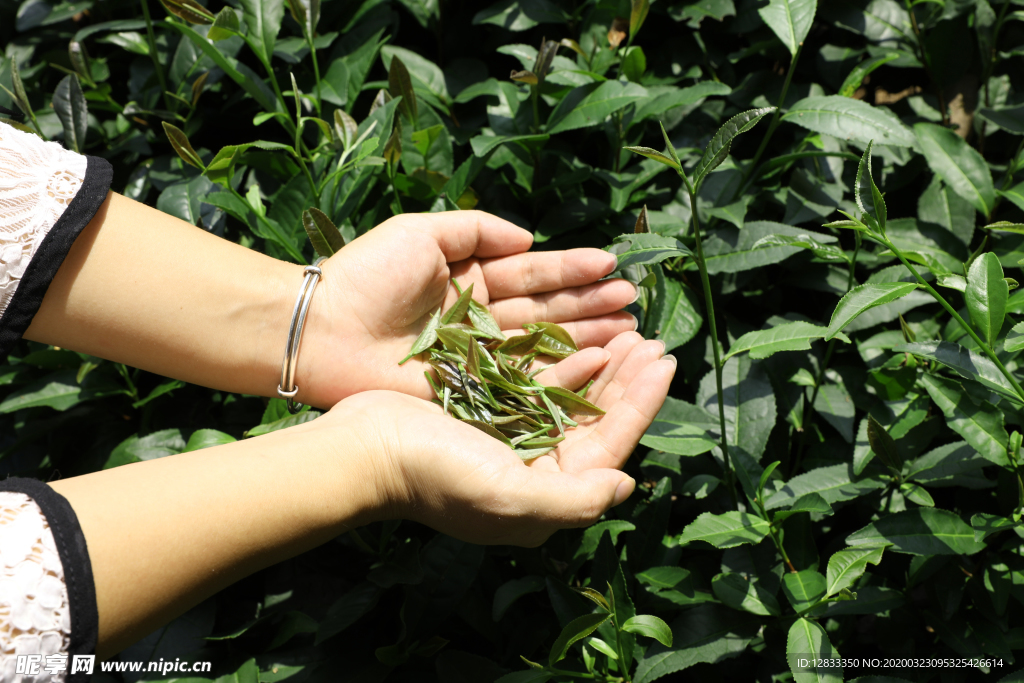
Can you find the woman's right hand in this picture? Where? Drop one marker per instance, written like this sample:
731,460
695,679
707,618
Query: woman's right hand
436,470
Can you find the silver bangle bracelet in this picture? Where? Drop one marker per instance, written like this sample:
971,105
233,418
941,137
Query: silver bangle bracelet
287,388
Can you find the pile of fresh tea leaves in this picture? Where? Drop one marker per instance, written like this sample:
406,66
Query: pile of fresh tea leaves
488,380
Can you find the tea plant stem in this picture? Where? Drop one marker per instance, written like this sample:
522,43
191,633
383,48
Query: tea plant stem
956,316
774,124
709,304
153,54
923,57
316,74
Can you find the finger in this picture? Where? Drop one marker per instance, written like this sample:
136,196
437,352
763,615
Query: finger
548,271
640,356
573,372
616,434
573,500
566,305
598,331
620,348
545,463
461,234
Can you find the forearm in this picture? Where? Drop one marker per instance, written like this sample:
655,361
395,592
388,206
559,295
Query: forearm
144,288
165,534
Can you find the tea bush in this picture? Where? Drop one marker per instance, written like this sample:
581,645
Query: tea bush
823,205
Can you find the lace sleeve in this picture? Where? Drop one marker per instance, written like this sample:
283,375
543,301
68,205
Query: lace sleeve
47,598
47,197
34,614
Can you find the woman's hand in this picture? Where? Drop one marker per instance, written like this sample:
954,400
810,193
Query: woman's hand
144,288
379,291
456,479
202,520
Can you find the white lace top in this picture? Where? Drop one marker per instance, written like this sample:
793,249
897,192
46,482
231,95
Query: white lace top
37,182
35,618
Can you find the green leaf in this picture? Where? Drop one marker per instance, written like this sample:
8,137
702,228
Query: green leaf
136,449
834,483
803,589
793,336
239,73
916,493
1014,338
634,64
637,14
736,591
849,119
986,296
884,445
575,630
400,85
718,148
807,640
650,626
726,530
790,20
485,144
323,234
964,362
263,22
1006,226
986,525
809,502
705,634
520,15
681,428
674,315
179,141
207,438
922,531
510,591
302,417
1008,118
646,249
225,25
826,252
959,165
459,309
521,344
59,392
980,425
489,431
846,566
653,154
70,106
570,402
863,298
589,105
861,71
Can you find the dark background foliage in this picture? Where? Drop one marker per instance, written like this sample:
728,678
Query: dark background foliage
398,602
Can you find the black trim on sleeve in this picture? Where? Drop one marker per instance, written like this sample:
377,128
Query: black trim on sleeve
53,250
74,557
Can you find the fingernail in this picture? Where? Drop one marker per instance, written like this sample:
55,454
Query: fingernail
663,347
624,490
636,293
613,262
672,359
636,323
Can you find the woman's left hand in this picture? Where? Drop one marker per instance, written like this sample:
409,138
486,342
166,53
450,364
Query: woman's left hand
379,291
